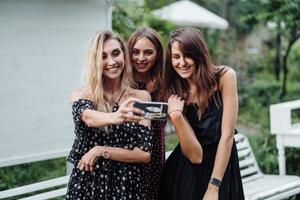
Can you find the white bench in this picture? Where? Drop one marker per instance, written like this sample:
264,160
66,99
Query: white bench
262,186
287,132
259,186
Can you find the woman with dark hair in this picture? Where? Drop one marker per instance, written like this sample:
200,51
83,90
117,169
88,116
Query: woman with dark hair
146,55
112,140
203,107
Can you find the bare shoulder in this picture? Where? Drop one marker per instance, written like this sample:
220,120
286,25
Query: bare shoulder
140,94
75,95
228,77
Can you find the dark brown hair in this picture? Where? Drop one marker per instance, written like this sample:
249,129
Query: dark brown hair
152,35
206,75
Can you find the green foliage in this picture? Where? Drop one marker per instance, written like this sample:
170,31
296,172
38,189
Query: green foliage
129,15
294,61
171,141
287,11
156,4
126,15
258,89
15,176
264,147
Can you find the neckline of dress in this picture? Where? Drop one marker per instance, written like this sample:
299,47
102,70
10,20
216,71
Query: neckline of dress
196,104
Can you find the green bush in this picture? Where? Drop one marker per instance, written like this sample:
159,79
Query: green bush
264,147
19,175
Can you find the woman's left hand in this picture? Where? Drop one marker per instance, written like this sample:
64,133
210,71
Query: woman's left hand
89,159
175,105
212,193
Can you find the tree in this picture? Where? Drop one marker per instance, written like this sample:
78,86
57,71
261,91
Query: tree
286,14
131,14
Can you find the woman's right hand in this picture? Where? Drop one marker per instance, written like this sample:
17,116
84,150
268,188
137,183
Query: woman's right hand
175,106
127,113
89,159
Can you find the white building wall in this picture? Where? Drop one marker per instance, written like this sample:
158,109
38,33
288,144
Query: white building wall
43,46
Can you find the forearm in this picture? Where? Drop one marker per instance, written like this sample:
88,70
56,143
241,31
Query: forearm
189,144
129,156
94,118
222,156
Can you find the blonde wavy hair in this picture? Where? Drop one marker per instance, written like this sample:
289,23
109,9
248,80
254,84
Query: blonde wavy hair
93,79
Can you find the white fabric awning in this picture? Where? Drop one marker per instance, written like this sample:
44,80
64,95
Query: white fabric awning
188,13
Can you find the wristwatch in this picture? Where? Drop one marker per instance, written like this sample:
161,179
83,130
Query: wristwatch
214,181
105,153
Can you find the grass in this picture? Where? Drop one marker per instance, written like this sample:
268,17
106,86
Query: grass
171,141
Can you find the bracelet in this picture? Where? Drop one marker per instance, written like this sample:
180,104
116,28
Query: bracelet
105,153
174,111
214,181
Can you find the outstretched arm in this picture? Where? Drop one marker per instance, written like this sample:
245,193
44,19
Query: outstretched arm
125,113
94,118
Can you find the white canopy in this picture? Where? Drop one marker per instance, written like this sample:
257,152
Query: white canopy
188,13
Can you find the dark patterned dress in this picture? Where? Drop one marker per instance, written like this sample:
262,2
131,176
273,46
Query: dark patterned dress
110,180
183,180
152,171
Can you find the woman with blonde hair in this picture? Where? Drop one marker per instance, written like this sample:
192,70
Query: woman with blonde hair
112,140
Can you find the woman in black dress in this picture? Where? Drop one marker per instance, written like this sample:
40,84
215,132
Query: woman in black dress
111,139
146,55
203,106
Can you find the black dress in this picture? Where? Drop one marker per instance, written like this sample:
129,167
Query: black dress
110,180
183,180
152,171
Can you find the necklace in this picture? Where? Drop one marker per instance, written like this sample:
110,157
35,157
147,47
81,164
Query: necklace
118,99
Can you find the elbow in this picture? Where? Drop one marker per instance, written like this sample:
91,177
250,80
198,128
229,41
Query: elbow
195,159
89,124
87,121
195,156
146,158
193,153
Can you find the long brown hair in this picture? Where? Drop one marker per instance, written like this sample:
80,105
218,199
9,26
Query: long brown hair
206,75
152,35
93,80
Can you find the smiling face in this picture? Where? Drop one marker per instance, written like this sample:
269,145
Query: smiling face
113,59
184,66
143,55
